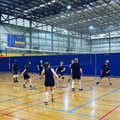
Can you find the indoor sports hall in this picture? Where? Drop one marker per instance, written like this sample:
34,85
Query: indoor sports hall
59,59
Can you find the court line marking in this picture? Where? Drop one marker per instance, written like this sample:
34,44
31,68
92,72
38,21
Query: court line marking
30,105
88,115
84,90
94,100
55,109
100,99
109,112
21,103
10,116
20,97
70,112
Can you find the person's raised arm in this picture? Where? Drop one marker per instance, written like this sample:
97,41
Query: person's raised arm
55,75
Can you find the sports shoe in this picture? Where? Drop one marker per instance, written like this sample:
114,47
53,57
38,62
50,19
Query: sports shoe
17,81
110,83
46,103
24,86
97,82
73,89
80,89
14,81
68,80
31,88
52,99
62,80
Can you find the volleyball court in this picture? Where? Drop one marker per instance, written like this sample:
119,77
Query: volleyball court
75,101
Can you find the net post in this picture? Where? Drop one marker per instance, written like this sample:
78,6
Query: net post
6,51
95,66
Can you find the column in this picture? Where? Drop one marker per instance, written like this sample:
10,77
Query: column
52,36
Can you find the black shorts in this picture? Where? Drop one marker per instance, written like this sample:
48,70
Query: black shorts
104,74
49,83
76,77
15,72
61,73
26,76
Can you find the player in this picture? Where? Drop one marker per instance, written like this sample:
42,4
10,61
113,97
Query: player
75,73
26,76
105,71
61,69
40,67
15,68
49,81
72,61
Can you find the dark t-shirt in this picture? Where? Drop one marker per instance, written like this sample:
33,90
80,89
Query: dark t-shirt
60,68
76,69
27,69
105,68
15,66
40,66
49,75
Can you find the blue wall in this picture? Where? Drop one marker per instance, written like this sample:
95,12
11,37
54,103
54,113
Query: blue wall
87,62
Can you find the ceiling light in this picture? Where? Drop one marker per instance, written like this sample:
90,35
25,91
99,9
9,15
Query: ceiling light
68,7
91,27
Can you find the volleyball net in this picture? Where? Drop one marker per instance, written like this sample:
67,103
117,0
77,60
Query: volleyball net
34,52
54,57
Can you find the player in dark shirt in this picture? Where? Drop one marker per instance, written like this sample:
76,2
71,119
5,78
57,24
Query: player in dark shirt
15,68
75,73
40,67
105,71
49,81
72,62
26,76
61,69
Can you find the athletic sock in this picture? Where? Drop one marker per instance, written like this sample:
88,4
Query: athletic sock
80,87
73,84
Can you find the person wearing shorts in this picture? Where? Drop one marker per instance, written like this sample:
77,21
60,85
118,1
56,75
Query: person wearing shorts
105,71
15,68
49,81
26,75
61,69
75,73
72,62
40,68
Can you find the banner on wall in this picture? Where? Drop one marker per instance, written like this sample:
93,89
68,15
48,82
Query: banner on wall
16,41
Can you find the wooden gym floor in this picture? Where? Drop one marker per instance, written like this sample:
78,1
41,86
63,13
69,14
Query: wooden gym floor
95,102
